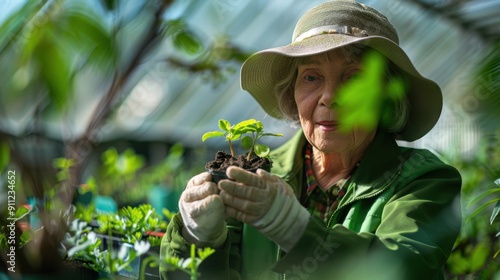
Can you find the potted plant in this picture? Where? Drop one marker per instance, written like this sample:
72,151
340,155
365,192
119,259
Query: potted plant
248,132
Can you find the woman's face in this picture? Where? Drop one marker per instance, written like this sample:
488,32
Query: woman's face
318,81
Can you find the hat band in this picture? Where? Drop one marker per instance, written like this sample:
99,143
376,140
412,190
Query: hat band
332,29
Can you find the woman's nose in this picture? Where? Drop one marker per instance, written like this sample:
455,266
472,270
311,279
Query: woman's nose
328,94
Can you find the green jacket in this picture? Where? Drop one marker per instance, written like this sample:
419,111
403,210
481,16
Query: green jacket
398,219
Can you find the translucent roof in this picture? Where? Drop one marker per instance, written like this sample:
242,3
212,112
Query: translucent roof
444,39
444,42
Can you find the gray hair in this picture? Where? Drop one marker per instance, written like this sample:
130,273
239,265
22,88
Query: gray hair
398,109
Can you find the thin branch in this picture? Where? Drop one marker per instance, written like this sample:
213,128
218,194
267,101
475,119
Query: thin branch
105,107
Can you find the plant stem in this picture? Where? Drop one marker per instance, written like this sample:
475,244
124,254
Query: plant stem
254,139
231,148
194,275
250,153
145,263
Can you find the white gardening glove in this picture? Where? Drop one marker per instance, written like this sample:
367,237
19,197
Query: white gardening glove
265,202
202,211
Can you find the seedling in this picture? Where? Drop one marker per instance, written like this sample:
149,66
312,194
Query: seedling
250,144
235,132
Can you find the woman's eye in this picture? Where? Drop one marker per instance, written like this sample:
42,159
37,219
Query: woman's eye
310,78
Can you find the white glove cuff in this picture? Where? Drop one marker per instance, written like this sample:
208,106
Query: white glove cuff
214,242
288,226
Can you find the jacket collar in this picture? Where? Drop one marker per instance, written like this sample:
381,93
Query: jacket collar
291,157
380,163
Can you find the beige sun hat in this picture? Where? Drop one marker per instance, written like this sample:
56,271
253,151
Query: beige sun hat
332,25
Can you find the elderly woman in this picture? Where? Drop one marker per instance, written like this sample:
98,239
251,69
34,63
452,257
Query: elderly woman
338,203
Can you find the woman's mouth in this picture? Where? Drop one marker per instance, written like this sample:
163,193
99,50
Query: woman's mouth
327,125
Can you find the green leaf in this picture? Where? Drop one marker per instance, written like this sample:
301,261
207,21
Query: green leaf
26,236
188,42
92,38
262,150
259,127
174,26
234,136
481,208
224,125
169,215
63,163
205,252
359,101
246,142
15,21
479,256
4,155
483,195
395,89
54,70
496,253
21,212
458,264
172,262
90,186
246,126
110,156
273,134
212,134
495,212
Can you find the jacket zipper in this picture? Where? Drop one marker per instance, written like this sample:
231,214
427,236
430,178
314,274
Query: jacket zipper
278,257
385,187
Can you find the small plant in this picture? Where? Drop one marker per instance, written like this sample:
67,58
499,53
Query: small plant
118,242
131,223
250,142
235,132
189,265
85,245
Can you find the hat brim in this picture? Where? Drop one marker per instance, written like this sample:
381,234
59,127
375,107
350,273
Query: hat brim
261,71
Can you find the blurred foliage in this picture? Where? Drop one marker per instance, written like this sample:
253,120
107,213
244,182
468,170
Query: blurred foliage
487,91
367,110
125,178
476,252
100,252
55,54
494,190
49,46
130,223
5,236
4,155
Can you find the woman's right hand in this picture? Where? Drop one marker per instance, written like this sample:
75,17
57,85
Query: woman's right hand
202,211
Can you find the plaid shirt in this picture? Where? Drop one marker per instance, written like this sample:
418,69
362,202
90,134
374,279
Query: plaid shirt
319,202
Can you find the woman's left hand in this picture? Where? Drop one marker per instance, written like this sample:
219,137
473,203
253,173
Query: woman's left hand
267,203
